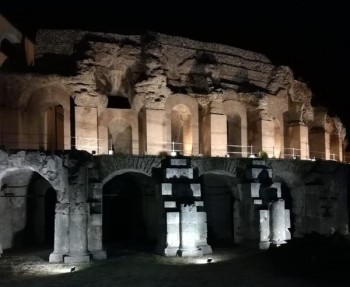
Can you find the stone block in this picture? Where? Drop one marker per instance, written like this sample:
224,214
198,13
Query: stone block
56,257
96,219
277,185
169,204
287,218
167,189
196,189
178,162
264,225
254,188
201,217
99,255
199,203
172,218
202,229
258,201
77,259
179,173
258,162
173,239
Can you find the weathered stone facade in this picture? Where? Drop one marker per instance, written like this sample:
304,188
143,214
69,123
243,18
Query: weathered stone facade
150,94
95,118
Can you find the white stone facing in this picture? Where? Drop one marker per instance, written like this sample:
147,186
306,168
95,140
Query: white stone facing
178,162
172,218
264,225
277,185
179,173
196,189
167,189
199,203
257,201
254,188
169,204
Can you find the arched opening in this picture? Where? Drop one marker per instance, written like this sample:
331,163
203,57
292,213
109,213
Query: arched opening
181,129
317,143
120,133
234,137
54,128
219,202
130,213
27,204
277,148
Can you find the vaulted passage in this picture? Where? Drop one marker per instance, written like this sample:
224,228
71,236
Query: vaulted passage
27,206
218,202
129,212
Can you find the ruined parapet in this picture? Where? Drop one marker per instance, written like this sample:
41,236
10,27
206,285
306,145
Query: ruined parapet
260,213
183,222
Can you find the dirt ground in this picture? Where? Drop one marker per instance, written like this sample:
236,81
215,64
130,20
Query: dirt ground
295,265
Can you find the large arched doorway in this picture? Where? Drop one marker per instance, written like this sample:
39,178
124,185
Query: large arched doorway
130,213
219,202
54,128
181,129
27,211
234,137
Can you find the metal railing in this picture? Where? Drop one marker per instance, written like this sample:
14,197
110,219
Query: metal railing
32,141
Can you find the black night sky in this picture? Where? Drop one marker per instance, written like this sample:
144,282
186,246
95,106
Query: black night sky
309,36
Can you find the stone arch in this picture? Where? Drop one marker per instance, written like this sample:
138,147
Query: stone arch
129,212
44,105
27,204
108,166
119,128
185,109
236,114
218,195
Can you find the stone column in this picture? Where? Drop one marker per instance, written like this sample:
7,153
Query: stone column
188,231
61,245
78,239
277,222
155,138
95,224
218,134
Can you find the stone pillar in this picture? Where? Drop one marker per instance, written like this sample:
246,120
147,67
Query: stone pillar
172,233
298,138
86,129
155,139
218,134
78,240
95,224
277,222
61,244
188,231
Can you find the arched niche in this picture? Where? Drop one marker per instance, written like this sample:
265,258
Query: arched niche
181,123
48,123
237,132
